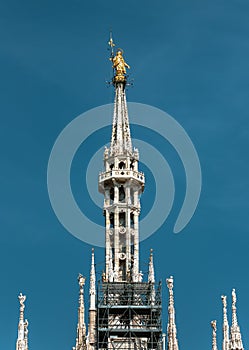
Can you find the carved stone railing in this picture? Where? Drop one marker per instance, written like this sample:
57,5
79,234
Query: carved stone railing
122,173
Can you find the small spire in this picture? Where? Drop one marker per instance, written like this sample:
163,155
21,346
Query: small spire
151,275
171,328
235,342
225,343
22,338
214,338
92,291
92,307
81,327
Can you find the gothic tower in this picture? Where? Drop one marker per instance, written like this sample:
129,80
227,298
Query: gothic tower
128,309
121,183
230,340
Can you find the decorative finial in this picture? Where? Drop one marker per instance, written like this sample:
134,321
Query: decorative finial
170,282
214,338
22,299
111,44
213,325
81,280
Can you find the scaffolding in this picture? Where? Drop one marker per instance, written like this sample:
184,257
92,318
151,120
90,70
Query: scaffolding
129,316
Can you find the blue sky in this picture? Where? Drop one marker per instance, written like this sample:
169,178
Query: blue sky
189,58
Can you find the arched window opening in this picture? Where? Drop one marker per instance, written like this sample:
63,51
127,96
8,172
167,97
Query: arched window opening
121,165
112,194
131,196
132,249
122,219
121,194
111,220
131,220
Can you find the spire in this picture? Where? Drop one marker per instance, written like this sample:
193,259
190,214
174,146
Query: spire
81,327
121,183
121,138
22,338
225,343
151,278
92,291
151,275
92,307
235,342
171,328
214,338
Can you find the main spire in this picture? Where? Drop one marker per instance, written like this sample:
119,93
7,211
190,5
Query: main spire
171,328
235,342
22,338
121,183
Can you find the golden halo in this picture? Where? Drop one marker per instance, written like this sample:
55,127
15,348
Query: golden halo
121,50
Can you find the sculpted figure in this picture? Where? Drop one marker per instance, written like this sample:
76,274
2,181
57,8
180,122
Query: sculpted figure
119,65
81,280
22,299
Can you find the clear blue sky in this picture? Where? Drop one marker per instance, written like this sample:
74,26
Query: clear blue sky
189,58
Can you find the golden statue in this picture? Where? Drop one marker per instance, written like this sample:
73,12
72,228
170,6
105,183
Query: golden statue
120,66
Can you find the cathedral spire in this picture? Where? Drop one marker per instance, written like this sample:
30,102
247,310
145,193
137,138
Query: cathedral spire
92,307
22,338
172,341
81,327
121,183
92,291
225,343
151,278
235,342
214,335
151,275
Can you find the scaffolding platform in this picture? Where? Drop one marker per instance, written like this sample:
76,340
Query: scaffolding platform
129,315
